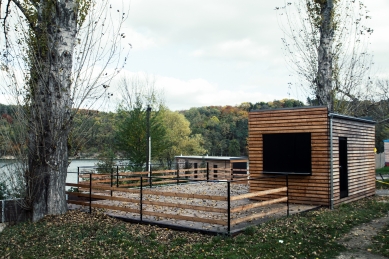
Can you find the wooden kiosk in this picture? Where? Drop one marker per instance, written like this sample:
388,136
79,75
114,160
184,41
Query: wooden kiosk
329,158
220,167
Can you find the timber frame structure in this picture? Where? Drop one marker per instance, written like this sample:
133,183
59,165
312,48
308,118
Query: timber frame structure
341,166
220,167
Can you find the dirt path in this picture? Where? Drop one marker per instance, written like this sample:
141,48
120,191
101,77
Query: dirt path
360,237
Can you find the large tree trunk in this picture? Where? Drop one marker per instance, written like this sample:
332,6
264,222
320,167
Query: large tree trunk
50,106
324,74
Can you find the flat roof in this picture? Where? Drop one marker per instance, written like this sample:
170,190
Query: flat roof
289,108
345,117
334,115
214,157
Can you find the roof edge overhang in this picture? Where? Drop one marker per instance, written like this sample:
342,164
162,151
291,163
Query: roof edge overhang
346,117
330,114
290,108
223,158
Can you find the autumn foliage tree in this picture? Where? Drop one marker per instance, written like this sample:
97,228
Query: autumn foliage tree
178,138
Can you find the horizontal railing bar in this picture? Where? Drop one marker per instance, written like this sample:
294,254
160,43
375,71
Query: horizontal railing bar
259,193
258,204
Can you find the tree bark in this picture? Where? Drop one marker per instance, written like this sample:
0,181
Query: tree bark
51,50
324,73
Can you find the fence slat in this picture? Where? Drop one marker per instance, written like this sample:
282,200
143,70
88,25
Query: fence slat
188,218
184,206
186,195
103,187
260,193
258,204
104,197
103,206
256,216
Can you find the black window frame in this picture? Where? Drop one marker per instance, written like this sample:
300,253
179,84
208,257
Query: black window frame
287,153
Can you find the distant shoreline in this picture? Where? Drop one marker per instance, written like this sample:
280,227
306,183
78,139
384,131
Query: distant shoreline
6,158
70,158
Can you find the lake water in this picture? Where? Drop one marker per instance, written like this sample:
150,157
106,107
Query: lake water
7,165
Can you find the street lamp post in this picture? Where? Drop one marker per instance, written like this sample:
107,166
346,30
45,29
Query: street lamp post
148,140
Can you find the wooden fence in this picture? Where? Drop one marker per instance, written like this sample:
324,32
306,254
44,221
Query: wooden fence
161,177
102,191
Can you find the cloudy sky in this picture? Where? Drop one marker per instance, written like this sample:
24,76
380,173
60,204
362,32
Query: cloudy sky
223,52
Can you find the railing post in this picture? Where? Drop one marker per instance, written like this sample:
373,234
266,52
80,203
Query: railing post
178,174
207,171
141,198
3,211
287,193
117,176
90,193
111,181
228,207
151,179
78,174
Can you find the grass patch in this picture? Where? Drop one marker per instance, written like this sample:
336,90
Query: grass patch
80,235
383,170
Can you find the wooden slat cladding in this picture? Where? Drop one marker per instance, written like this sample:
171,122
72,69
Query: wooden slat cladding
313,189
360,158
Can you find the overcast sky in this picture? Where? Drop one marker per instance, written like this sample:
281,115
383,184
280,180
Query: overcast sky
223,52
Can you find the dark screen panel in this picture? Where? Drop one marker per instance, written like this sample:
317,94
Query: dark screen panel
287,153
239,165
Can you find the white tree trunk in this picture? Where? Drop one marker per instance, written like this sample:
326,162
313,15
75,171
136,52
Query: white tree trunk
324,74
50,107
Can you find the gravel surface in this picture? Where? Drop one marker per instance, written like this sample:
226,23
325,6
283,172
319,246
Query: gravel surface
202,188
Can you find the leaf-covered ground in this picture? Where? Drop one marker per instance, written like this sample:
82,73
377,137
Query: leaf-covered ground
80,235
381,242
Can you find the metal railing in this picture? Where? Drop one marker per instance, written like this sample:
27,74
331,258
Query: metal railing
232,208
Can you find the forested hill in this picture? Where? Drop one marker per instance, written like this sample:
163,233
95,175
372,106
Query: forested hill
225,128
212,130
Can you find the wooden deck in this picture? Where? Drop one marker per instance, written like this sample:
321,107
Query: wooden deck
226,205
